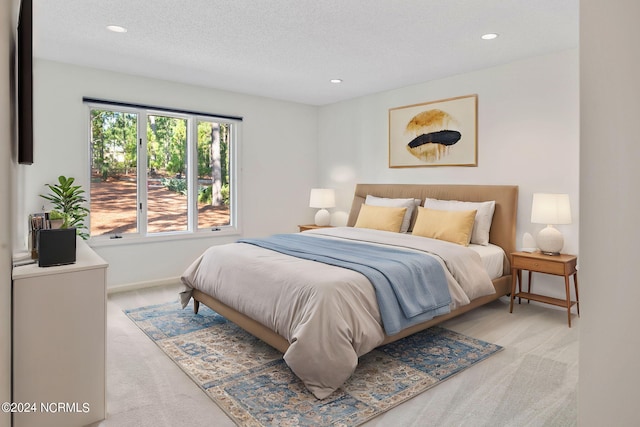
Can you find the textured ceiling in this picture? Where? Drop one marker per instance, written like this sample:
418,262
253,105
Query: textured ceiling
290,49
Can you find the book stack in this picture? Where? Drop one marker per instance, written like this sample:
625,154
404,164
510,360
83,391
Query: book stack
37,222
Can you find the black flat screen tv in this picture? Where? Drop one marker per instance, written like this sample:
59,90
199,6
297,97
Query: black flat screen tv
25,83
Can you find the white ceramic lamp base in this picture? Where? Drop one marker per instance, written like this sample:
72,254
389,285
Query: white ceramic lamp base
323,217
550,240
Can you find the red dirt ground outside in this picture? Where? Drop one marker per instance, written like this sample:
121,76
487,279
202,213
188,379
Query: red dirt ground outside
113,209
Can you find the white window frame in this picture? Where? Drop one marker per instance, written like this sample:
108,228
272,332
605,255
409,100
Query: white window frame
193,231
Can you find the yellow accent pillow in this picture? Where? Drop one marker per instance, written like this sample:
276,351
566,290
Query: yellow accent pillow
452,226
383,218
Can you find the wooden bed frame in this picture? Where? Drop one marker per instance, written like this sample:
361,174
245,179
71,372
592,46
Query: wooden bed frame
503,234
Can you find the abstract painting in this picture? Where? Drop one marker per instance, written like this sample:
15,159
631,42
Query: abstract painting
437,133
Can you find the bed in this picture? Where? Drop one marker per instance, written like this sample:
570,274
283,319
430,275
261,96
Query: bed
324,316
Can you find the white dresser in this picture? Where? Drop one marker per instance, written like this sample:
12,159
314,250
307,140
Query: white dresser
59,342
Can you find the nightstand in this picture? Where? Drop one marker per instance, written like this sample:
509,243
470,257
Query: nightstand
312,227
557,265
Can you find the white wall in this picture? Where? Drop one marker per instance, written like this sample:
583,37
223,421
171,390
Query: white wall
610,202
8,14
277,166
528,135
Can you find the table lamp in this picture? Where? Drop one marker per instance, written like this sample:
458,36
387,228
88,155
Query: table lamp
322,198
550,209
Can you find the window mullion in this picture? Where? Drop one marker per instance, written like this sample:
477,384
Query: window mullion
234,176
142,173
192,176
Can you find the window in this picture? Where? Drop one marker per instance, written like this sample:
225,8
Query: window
157,172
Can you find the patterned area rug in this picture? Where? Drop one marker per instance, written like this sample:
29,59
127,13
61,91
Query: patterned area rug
249,380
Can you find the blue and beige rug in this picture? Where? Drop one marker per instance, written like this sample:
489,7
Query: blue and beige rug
249,380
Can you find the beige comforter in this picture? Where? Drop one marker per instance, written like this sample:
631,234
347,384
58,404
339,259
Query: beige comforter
328,314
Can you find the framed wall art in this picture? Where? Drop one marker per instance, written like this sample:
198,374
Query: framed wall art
437,133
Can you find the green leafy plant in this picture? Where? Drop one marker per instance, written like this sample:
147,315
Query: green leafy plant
54,214
179,185
68,199
204,194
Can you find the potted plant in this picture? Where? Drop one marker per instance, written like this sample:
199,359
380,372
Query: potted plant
67,200
56,218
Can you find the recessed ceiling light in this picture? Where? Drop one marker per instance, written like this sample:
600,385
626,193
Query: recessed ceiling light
336,80
116,28
489,36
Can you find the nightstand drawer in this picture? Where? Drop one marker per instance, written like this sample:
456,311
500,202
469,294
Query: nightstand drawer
541,265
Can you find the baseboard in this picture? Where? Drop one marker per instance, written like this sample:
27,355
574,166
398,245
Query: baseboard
142,285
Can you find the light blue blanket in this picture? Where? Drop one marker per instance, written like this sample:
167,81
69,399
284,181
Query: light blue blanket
410,287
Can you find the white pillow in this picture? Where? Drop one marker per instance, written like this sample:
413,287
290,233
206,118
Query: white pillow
484,215
410,204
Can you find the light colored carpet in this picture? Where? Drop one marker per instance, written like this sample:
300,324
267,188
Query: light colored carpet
146,389
252,384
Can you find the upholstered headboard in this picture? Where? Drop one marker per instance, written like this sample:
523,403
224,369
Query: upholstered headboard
503,227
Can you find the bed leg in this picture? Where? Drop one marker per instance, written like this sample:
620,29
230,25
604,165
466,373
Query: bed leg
196,306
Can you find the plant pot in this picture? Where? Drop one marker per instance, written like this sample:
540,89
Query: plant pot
56,247
56,223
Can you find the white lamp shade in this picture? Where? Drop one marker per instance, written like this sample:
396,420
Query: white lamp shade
550,209
322,198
